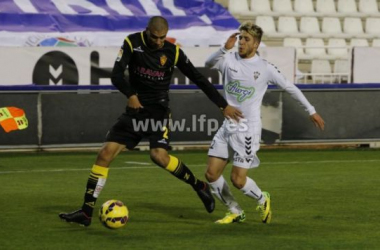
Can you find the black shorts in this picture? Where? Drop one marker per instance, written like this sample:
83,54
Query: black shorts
151,122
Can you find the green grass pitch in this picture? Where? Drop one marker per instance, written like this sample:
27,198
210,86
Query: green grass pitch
321,199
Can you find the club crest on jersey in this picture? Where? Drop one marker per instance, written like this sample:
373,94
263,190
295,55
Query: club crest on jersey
242,93
163,60
256,75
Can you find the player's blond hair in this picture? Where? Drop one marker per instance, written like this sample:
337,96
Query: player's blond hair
252,29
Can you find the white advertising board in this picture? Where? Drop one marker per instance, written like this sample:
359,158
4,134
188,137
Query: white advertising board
92,65
366,65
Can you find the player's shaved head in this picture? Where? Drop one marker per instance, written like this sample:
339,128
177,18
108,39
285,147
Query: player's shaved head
158,23
156,32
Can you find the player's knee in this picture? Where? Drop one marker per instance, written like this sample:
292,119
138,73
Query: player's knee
160,157
105,155
237,181
210,176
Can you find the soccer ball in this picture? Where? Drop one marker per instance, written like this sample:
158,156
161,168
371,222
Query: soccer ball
113,214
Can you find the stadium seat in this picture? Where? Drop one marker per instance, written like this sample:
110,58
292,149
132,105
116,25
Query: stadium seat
303,6
310,26
368,7
282,6
325,7
315,47
347,7
337,47
321,71
359,42
331,27
372,26
267,24
287,26
376,43
239,7
353,26
261,7
295,43
341,71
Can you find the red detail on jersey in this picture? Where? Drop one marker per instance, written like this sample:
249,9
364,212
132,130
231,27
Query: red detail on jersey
149,72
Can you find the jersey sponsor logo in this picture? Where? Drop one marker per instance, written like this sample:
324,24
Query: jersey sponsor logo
242,93
150,74
138,49
163,60
119,55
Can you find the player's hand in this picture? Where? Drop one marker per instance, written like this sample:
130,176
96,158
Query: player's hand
232,113
230,43
134,102
318,121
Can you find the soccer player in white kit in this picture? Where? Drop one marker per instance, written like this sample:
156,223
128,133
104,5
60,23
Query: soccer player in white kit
245,77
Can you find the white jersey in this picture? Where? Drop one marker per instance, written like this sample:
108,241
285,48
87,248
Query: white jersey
246,81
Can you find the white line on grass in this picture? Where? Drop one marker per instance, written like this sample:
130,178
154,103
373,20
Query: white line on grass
154,166
138,163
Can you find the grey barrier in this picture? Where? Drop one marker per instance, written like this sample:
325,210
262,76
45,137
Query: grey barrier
83,118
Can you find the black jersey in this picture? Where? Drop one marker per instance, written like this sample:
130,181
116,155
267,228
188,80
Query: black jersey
151,71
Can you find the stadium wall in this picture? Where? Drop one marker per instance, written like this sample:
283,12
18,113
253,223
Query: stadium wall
81,118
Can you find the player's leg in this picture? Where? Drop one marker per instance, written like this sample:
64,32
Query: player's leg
159,145
217,161
116,140
177,168
249,187
221,190
95,184
245,158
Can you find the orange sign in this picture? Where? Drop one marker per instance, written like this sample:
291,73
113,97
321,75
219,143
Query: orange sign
12,118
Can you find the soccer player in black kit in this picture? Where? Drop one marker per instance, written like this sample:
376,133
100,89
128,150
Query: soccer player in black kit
150,61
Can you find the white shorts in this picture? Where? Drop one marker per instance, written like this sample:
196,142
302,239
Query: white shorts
244,146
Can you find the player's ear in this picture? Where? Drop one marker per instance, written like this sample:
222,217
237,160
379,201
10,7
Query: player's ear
256,43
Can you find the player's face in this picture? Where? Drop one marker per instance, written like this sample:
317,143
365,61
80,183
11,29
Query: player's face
247,45
156,38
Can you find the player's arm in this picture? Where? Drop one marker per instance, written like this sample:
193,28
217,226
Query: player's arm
216,58
188,69
118,78
280,80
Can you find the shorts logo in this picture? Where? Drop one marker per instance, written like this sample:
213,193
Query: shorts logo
212,144
248,142
163,141
242,93
238,159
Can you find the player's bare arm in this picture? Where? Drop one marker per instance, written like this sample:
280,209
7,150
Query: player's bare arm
318,121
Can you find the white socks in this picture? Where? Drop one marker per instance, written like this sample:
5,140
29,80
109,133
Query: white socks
252,190
222,191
